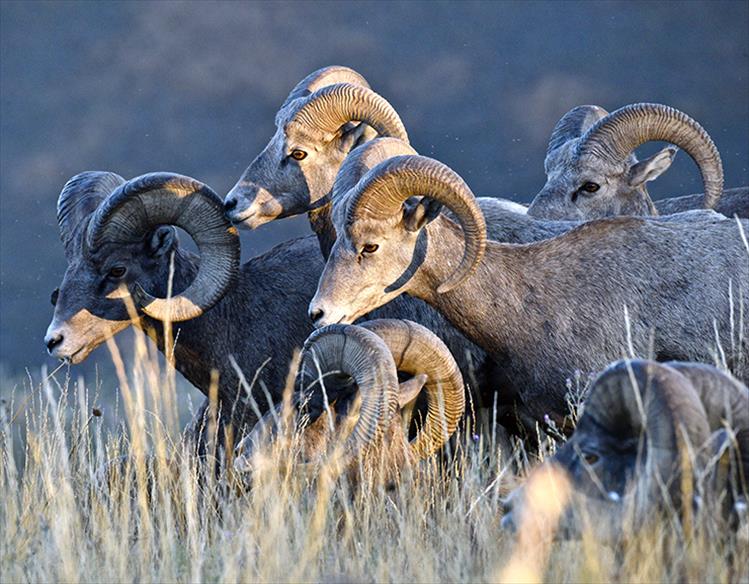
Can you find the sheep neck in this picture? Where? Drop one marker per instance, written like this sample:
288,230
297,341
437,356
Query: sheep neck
194,355
494,288
322,225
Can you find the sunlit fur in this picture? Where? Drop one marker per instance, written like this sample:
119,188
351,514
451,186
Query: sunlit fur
259,323
572,303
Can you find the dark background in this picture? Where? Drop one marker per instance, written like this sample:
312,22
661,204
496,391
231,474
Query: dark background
193,88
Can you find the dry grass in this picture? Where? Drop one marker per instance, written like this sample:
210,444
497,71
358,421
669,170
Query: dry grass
441,523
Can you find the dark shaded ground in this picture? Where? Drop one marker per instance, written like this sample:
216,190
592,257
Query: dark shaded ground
192,88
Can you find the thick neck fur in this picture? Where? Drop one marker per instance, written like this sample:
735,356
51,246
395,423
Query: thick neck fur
322,225
259,323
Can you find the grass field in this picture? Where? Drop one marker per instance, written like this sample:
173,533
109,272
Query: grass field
440,524
169,520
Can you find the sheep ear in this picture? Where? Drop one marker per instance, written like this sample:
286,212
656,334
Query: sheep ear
651,168
409,390
162,241
351,135
417,215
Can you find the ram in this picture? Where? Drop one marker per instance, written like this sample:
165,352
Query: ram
117,233
592,172
360,361
325,117
643,423
547,310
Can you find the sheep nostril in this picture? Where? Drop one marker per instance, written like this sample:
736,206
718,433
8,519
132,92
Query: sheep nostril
316,314
52,341
230,204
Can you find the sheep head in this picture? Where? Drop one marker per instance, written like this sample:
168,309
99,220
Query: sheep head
592,172
382,238
325,116
644,429
343,365
119,244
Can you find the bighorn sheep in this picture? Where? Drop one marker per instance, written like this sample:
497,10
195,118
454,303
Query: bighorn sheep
117,232
642,425
316,128
544,310
503,222
370,356
324,118
592,171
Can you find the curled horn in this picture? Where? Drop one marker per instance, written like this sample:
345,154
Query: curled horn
726,402
363,159
333,106
382,192
136,207
79,198
323,77
643,399
572,125
416,350
614,137
362,355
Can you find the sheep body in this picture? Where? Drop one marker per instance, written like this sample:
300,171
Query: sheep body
547,310
259,322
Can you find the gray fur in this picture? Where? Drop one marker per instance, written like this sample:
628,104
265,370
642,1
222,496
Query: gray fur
733,203
572,161
605,461
546,310
270,301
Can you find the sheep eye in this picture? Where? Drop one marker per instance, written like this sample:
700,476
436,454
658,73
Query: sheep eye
370,248
55,295
117,272
590,458
590,187
298,154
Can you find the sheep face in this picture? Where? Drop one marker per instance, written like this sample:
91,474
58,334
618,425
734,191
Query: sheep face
584,187
293,174
91,303
645,432
589,476
372,262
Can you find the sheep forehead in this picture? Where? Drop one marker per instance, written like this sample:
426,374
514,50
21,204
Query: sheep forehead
567,162
561,157
369,228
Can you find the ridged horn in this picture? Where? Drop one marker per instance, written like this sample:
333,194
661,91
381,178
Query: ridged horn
333,106
364,356
382,192
726,402
136,207
614,137
79,198
416,349
363,159
671,409
572,125
321,78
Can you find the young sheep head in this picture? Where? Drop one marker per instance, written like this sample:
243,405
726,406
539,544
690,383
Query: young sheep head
341,363
591,171
324,117
119,241
383,241
644,425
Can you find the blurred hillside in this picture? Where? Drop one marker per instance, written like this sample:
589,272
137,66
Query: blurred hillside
192,88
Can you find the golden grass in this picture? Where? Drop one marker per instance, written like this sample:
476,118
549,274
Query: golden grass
441,523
